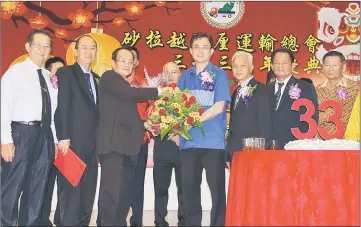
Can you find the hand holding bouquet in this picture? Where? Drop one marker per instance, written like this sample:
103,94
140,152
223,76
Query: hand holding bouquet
175,112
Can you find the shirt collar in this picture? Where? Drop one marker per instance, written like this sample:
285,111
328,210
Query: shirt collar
245,83
90,71
285,81
32,64
208,68
342,83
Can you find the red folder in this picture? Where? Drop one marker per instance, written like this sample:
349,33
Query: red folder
71,166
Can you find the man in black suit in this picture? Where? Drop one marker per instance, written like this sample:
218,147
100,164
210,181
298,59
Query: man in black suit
281,100
76,121
52,65
120,137
250,110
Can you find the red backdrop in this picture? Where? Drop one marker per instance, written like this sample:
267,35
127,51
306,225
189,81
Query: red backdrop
278,19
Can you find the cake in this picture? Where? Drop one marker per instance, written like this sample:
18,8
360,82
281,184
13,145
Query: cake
316,144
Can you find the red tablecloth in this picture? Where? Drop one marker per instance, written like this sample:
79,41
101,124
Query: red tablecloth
294,188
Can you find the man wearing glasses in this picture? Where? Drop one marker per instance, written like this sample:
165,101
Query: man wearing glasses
210,86
76,120
28,102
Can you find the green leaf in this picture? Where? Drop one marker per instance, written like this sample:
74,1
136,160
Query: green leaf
183,132
198,124
164,131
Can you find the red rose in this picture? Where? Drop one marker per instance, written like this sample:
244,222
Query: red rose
176,110
192,99
200,110
172,85
162,112
190,120
188,105
176,126
184,97
166,99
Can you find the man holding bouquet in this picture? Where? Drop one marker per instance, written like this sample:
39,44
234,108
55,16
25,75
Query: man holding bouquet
210,86
121,133
166,157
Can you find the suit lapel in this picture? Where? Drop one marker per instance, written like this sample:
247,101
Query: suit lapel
233,99
240,104
95,77
285,96
80,79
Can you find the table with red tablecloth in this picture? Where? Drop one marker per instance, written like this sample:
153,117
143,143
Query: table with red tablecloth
299,188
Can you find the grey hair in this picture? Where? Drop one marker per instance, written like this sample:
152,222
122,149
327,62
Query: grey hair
240,53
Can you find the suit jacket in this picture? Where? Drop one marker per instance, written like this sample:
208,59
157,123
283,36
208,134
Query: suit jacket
77,116
283,118
252,121
121,128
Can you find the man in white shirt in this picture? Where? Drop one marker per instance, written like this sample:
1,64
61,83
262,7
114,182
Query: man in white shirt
284,92
76,120
28,102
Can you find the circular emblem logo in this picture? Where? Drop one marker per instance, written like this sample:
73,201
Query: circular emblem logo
222,14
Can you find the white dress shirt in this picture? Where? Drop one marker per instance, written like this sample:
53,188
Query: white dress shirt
285,81
244,84
21,98
91,78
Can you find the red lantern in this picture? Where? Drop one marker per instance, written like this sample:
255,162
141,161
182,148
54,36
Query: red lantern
160,3
61,33
38,22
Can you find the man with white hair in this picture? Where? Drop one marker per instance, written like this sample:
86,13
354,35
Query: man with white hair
250,107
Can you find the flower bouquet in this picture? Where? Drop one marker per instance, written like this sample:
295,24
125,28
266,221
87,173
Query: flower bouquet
175,112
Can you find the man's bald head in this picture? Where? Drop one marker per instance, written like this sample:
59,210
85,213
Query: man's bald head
171,70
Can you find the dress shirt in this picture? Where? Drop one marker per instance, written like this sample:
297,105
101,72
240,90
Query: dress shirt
244,84
21,98
285,81
91,78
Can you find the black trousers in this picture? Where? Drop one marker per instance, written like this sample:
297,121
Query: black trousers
193,161
76,203
137,203
28,174
44,220
166,158
116,183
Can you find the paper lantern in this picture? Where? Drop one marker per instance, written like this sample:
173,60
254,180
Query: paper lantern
106,45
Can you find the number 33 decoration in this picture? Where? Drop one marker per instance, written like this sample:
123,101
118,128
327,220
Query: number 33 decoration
313,127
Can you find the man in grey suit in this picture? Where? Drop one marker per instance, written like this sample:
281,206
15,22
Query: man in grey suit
120,137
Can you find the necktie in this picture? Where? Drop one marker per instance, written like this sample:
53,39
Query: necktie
238,96
46,104
278,94
87,78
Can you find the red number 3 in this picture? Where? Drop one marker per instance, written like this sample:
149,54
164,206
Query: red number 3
307,117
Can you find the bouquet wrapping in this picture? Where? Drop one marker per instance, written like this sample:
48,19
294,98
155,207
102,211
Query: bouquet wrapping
175,112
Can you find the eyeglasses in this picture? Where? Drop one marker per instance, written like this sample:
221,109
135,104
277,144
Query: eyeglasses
204,48
39,46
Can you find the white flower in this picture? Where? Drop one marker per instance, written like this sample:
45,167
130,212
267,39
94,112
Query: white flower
244,91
